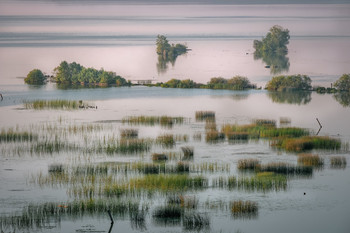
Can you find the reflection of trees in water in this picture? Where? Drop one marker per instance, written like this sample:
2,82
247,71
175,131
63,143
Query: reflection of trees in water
343,98
163,63
277,62
290,97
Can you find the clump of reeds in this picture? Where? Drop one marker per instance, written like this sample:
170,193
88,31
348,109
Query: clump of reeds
129,133
210,125
265,122
56,168
181,137
166,140
196,222
12,136
285,120
286,169
244,209
128,146
310,160
159,157
309,143
52,104
214,136
205,115
287,132
264,181
153,120
168,212
237,136
247,164
182,167
188,202
210,167
188,152
168,182
251,130
338,162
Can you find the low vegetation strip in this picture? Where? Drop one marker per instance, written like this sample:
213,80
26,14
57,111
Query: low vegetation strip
52,104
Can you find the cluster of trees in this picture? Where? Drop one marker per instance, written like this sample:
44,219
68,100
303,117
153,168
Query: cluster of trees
74,73
167,51
35,77
289,83
275,42
235,83
272,49
343,83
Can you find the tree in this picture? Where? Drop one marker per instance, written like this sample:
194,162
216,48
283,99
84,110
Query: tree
35,77
63,73
275,41
343,83
239,83
289,83
163,45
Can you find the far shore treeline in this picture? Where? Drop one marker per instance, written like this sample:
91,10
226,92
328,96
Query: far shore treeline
75,74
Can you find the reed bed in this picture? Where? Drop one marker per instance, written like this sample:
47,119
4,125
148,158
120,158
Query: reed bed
168,182
210,126
205,115
129,146
265,122
310,160
159,157
188,152
244,209
166,140
129,133
309,143
52,104
338,162
188,202
12,136
166,121
290,132
286,169
196,222
39,216
247,164
197,136
265,181
214,136
237,136
209,167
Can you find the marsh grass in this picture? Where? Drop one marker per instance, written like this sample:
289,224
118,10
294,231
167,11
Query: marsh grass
247,164
209,167
166,183
310,160
52,104
210,126
338,162
205,115
197,136
166,140
265,122
129,146
56,168
38,216
237,136
11,136
129,133
159,157
285,169
265,181
244,209
188,202
309,143
214,136
165,121
195,222
188,152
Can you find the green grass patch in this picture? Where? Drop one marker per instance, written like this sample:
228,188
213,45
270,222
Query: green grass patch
309,143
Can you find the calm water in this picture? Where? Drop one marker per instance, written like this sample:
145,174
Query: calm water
121,38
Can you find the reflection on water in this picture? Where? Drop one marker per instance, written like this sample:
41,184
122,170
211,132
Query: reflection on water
276,62
290,97
163,64
343,98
